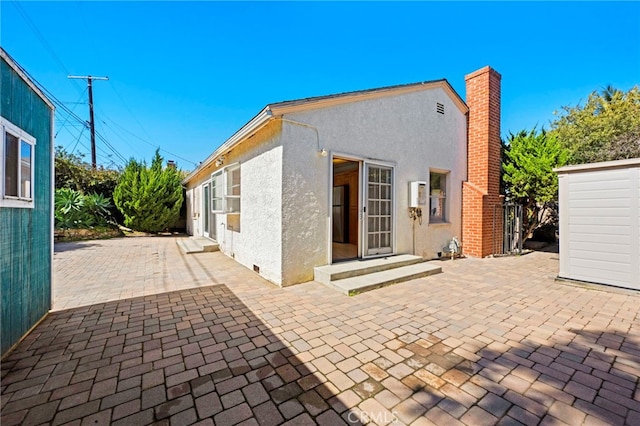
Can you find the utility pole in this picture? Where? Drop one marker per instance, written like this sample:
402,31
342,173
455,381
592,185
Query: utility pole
91,123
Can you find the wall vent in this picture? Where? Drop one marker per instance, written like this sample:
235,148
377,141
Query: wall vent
440,108
256,268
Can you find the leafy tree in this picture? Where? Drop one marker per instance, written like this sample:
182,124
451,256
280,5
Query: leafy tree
72,172
528,162
606,128
149,197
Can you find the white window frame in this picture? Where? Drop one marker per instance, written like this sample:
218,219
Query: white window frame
217,191
19,201
223,177
443,218
228,206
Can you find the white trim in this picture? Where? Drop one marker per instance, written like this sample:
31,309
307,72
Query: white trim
227,171
634,197
52,201
362,162
219,188
206,218
12,201
447,187
15,67
602,165
365,199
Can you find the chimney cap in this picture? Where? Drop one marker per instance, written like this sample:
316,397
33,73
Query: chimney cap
481,71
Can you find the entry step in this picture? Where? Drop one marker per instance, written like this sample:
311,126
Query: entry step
197,245
355,277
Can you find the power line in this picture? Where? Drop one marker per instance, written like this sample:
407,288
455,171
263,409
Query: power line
91,120
151,144
77,140
43,40
69,111
120,136
65,121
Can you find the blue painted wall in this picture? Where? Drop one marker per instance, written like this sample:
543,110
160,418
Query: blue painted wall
26,236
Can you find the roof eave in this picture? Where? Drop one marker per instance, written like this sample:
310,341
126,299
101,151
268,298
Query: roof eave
327,101
287,107
23,74
255,124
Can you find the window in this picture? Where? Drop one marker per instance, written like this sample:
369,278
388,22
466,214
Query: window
217,194
232,193
17,159
225,190
437,197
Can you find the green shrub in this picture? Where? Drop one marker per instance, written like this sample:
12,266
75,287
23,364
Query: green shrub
74,210
149,197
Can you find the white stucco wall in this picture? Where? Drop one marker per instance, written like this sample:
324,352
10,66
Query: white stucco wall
258,241
404,130
189,201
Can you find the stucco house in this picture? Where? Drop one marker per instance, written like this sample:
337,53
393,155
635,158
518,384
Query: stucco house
26,202
366,174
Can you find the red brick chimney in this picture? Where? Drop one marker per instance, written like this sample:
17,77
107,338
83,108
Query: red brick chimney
481,191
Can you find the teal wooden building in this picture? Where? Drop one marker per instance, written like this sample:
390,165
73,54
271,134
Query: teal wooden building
26,203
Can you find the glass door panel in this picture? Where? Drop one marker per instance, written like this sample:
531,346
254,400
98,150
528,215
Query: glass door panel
379,221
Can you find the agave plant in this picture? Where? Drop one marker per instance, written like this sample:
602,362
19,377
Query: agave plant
98,206
73,209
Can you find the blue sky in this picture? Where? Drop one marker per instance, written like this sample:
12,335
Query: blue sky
185,76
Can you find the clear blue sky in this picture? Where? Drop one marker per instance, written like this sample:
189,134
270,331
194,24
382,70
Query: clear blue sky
186,76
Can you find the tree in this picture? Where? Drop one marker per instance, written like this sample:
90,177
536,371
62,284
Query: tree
149,197
528,162
606,128
74,173
71,172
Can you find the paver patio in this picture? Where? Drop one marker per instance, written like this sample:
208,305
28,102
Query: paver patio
489,341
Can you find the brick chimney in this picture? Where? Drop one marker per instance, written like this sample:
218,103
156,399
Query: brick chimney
481,191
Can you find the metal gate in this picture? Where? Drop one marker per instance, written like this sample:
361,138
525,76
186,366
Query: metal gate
507,229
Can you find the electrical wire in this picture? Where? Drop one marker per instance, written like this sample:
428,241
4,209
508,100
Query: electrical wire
71,114
66,119
78,140
44,42
151,144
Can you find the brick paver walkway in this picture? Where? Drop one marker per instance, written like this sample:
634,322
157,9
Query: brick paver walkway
488,341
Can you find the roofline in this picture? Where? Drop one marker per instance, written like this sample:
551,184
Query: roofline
615,164
255,124
23,74
347,97
287,107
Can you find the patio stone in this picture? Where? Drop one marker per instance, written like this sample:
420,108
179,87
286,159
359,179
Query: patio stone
141,334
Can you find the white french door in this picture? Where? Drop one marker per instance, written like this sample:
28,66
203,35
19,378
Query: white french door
378,210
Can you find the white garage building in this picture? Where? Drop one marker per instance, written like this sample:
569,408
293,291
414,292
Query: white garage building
600,222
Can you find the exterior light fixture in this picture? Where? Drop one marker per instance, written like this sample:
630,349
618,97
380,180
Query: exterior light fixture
324,152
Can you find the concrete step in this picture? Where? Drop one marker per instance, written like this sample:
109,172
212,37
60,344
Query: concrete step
339,271
361,283
197,245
